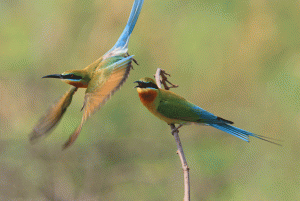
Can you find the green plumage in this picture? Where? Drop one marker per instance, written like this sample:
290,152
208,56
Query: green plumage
176,107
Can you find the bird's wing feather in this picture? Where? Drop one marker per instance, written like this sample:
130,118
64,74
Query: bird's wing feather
52,116
176,107
103,85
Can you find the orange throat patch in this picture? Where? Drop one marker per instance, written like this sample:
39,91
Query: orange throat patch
147,96
77,84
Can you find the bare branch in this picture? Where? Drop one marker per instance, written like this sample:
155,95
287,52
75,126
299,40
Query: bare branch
175,132
184,164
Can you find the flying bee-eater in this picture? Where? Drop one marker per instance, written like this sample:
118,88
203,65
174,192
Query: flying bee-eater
174,109
101,79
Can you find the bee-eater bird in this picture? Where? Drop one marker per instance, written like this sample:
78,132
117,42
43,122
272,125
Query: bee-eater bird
174,109
101,79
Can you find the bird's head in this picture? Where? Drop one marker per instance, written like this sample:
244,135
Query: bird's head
146,84
147,90
77,78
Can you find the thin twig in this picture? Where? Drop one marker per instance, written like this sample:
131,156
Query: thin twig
164,80
161,73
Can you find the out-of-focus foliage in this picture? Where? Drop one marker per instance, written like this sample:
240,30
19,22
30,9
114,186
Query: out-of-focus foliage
237,59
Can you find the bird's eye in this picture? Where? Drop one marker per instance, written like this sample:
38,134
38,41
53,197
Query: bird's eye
72,76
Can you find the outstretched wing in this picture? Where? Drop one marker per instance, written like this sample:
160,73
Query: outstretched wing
52,116
104,84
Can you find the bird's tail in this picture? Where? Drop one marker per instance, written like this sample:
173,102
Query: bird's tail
122,42
240,133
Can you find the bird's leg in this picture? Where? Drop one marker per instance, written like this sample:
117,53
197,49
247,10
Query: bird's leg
176,129
135,61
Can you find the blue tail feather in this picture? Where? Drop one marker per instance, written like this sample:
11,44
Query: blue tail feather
233,131
242,134
124,38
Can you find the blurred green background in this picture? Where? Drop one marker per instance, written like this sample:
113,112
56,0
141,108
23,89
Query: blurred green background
237,59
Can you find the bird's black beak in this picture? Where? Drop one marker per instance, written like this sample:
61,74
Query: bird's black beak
139,84
53,76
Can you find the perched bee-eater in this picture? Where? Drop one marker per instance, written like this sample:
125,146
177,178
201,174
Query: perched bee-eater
174,109
101,79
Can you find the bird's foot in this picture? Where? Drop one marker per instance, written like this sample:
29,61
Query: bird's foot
134,60
174,130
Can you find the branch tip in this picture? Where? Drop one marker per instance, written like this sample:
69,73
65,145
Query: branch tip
164,80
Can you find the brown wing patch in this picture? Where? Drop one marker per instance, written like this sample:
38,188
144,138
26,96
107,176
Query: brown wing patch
97,97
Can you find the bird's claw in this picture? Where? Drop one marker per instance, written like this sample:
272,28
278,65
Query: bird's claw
176,129
134,60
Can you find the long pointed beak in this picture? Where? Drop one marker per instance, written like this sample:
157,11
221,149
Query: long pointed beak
53,76
139,84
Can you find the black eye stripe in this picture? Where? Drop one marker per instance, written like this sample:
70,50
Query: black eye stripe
72,77
148,85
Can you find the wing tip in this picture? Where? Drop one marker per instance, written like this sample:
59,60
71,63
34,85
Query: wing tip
72,138
33,137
